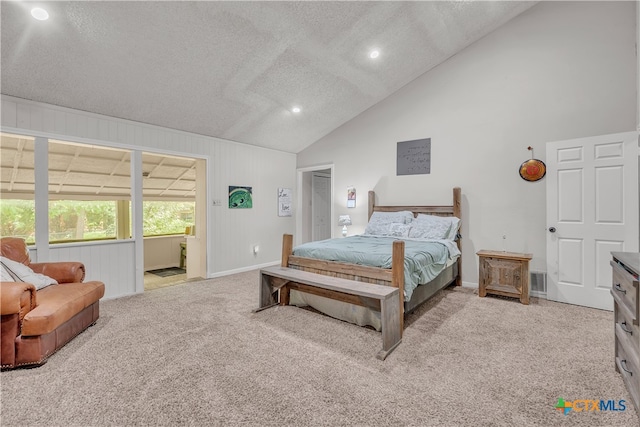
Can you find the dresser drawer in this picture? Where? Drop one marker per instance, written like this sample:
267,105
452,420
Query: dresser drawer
629,371
625,292
627,338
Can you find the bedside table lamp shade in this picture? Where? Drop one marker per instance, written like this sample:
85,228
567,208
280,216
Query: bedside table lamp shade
344,220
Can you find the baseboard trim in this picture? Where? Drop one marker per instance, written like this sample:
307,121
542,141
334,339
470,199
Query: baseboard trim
469,285
535,294
241,270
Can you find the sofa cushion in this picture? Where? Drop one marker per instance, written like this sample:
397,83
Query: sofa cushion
58,303
15,249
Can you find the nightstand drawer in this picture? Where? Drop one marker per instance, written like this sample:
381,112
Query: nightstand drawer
503,275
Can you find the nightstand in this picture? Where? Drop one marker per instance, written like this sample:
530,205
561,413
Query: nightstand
504,273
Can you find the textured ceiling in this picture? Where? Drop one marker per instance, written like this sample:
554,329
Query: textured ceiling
234,70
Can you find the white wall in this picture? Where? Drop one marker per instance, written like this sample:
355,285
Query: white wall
558,71
162,252
108,262
231,233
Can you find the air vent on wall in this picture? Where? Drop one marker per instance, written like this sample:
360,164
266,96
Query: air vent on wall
538,284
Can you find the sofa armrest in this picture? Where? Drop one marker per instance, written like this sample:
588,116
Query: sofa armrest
17,298
63,272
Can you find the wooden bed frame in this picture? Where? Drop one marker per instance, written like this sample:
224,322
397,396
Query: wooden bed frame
390,277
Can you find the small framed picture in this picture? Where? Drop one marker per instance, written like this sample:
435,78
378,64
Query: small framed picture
284,202
351,197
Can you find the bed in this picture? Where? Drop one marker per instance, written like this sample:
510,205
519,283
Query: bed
392,257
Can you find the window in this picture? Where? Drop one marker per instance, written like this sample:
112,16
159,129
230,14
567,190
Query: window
90,191
86,185
17,206
168,186
166,217
76,220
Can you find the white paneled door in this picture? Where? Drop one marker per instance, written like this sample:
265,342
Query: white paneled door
592,209
320,206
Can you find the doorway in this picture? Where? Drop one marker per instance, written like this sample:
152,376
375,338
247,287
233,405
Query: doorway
320,205
592,210
172,210
315,204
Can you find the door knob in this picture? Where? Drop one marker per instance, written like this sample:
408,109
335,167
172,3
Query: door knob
552,229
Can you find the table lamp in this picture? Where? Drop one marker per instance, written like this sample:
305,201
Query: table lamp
344,220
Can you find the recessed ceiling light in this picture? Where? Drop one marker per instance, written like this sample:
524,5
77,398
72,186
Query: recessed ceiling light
296,109
374,54
39,13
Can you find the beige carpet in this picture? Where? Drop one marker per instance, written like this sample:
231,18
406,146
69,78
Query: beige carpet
195,354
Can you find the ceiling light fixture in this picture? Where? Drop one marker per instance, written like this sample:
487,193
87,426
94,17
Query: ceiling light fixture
296,109
374,54
40,14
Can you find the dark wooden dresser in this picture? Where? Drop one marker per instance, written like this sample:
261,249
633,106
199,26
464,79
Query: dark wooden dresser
626,298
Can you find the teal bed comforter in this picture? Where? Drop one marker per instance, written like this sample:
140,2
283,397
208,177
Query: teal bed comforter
423,259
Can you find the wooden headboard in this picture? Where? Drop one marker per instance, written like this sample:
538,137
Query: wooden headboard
448,210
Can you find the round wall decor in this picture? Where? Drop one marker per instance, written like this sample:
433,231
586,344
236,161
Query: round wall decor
533,170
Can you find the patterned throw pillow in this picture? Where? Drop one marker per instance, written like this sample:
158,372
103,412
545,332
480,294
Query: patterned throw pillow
399,230
381,221
434,227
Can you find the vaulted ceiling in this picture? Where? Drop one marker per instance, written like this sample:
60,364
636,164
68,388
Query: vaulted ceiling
234,70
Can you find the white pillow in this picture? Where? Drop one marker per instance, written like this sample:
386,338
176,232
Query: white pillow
455,226
453,220
25,274
6,276
399,230
426,231
434,227
380,221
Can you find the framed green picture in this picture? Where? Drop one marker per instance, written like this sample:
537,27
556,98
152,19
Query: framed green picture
240,197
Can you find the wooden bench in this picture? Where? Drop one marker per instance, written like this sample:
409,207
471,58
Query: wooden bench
278,281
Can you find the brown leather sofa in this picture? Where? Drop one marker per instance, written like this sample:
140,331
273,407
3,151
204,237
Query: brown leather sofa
35,324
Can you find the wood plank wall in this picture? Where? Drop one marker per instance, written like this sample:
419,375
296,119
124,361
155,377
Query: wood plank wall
231,233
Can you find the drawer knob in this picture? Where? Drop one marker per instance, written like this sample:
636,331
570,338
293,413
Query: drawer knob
618,288
623,326
623,364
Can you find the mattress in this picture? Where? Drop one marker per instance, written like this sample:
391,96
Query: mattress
423,259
